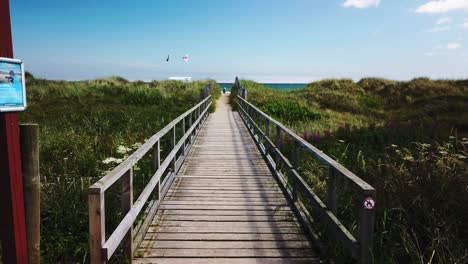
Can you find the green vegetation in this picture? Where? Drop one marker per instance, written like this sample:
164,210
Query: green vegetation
407,139
83,124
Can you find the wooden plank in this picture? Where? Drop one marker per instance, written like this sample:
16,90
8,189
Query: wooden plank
227,182
184,188
226,218
232,252
227,260
182,191
221,183
225,207
224,180
245,224
225,237
222,198
226,212
225,244
224,203
236,176
228,195
226,229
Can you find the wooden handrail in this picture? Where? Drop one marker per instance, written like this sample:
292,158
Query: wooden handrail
361,248
101,249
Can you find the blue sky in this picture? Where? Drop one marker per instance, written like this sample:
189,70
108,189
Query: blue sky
263,40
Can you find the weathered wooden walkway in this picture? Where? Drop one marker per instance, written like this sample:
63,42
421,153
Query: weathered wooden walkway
224,205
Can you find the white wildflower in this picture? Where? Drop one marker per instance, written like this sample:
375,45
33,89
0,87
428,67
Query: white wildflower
461,156
109,160
452,137
394,146
136,145
443,152
123,149
408,158
341,141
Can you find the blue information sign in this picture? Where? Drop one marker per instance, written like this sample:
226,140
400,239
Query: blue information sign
12,85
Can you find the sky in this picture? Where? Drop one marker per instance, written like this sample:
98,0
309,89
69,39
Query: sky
262,40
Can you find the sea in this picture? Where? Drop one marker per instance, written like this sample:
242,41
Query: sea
275,86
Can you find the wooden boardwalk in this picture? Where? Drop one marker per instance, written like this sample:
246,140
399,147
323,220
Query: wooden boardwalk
224,205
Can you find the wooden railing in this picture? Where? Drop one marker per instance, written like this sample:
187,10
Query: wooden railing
298,191
101,249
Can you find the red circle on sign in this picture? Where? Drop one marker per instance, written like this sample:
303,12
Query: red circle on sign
369,203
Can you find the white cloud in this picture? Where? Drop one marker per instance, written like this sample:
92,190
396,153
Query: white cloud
442,6
442,24
444,20
453,46
439,29
446,49
361,3
465,24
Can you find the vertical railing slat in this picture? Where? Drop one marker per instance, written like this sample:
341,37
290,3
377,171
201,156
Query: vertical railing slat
278,145
183,134
190,125
332,190
295,163
156,165
173,144
127,203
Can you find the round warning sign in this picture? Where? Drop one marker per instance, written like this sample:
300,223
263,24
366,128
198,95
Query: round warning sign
369,203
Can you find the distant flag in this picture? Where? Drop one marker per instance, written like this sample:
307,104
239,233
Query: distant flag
167,58
185,57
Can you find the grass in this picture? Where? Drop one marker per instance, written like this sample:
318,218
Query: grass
407,139
82,124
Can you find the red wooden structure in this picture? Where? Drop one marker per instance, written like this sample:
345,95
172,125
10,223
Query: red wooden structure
12,222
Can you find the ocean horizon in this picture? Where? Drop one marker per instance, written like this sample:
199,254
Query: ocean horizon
275,86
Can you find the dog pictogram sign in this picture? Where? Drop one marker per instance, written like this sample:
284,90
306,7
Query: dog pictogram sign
369,203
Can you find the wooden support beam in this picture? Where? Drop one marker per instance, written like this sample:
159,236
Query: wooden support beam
29,138
12,220
97,235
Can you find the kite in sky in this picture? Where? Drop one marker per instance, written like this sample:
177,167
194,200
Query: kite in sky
167,58
185,57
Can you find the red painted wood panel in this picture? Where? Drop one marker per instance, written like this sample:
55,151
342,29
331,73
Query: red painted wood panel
12,222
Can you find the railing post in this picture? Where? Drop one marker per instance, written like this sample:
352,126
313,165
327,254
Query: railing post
190,125
156,165
127,203
332,190
173,144
366,227
267,135
183,134
278,145
295,163
97,227
251,120
29,141
199,116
